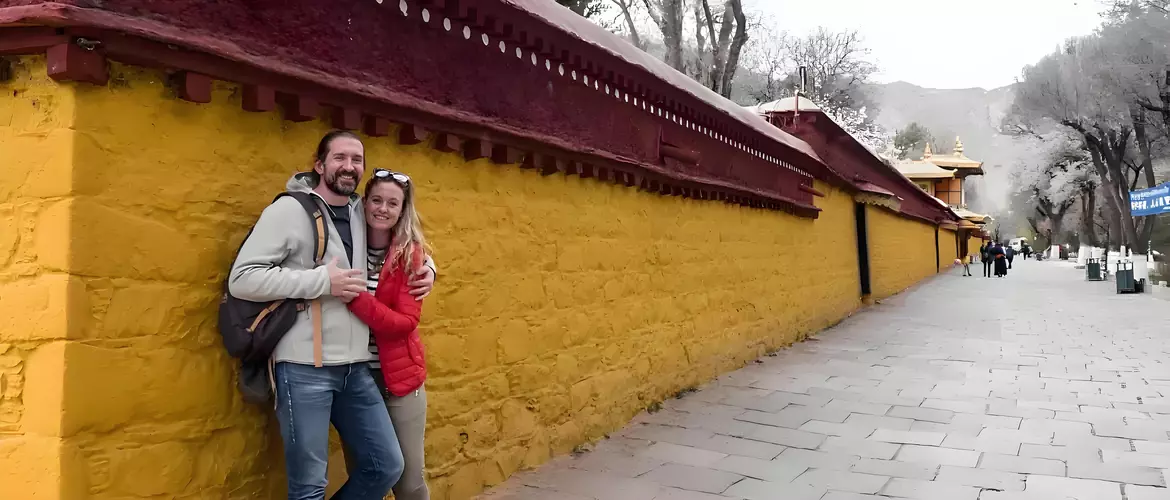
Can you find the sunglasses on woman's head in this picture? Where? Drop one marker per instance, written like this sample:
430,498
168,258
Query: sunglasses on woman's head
398,177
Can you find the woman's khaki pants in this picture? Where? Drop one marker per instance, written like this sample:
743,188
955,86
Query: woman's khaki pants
409,416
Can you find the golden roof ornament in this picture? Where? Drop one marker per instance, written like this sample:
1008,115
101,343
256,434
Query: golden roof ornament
958,146
927,153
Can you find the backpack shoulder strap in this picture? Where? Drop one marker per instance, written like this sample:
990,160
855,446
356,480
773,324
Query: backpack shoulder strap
316,218
321,233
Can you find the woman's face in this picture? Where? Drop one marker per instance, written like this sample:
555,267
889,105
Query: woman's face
384,205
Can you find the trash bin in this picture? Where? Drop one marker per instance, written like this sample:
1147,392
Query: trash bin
1124,277
1093,270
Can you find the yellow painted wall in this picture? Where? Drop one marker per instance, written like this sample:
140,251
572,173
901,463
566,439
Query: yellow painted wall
973,244
901,251
35,293
948,248
564,307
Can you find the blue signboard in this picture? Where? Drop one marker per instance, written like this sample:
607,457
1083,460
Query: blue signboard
1150,201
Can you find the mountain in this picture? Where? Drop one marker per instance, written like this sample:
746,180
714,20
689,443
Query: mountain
974,116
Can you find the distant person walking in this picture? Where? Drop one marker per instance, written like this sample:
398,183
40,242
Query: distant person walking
999,256
1010,253
985,256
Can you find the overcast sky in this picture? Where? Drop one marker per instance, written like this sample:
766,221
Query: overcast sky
947,44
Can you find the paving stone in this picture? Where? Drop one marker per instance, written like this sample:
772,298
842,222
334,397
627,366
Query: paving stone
789,437
908,437
1022,465
686,477
618,463
983,478
957,406
738,446
857,407
1131,432
780,471
668,493
590,484
753,489
834,429
1062,453
990,444
866,448
1076,439
894,423
667,434
894,468
818,459
845,495
1122,473
1018,436
928,490
843,480
684,455
919,413
1157,461
1065,488
930,455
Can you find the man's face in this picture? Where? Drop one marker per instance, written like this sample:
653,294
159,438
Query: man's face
344,166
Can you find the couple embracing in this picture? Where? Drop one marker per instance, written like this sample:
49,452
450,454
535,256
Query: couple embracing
363,369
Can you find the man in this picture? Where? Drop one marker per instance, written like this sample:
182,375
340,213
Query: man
1009,252
985,256
325,380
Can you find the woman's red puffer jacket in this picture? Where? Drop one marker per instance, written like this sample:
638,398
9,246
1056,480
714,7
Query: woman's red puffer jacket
392,314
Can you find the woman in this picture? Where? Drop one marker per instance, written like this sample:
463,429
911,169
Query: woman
396,243
1000,257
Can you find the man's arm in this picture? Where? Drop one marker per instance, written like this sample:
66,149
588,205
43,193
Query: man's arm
257,274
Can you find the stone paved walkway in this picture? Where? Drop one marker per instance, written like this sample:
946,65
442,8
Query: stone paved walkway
1039,386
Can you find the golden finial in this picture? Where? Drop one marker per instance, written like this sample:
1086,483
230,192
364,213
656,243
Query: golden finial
958,146
927,153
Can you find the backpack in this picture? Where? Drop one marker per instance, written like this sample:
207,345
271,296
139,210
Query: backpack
251,330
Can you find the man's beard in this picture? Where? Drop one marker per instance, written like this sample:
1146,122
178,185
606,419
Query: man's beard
337,183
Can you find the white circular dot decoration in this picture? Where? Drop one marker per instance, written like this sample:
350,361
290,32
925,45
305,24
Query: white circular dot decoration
585,78
627,96
595,86
503,47
561,69
426,15
607,89
519,53
574,75
467,32
548,65
446,24
484,37
533,57
379,2
402,7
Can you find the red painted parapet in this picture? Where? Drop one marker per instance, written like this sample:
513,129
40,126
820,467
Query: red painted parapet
527,74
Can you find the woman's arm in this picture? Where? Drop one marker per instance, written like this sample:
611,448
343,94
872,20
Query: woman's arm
388,321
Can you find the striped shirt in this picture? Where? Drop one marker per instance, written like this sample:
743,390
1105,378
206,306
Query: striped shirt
374,261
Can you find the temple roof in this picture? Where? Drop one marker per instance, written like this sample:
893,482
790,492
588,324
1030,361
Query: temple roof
956,160
971,216
923,169
784,105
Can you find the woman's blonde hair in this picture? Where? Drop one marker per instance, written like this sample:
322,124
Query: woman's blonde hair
406,237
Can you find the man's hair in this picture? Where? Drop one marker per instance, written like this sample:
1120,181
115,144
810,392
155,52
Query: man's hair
323,150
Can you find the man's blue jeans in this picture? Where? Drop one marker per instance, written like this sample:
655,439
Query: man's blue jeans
307,400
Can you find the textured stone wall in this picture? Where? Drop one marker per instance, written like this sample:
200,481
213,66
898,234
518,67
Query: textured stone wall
35,290
901,251
564,305
948,248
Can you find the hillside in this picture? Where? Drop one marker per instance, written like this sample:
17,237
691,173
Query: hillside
972,114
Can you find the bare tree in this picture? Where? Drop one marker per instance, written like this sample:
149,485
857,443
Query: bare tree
837,65
584,8
1076,89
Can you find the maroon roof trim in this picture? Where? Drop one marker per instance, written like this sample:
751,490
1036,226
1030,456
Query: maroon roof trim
143,40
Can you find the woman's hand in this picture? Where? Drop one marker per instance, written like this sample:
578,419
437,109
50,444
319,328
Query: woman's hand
421,282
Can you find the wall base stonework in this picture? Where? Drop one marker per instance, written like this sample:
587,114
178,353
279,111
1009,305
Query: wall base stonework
565,305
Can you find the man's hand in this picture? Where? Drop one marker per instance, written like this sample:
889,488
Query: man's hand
422,282
344,283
